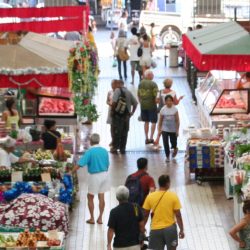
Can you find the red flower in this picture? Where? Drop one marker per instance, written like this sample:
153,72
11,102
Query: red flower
86,101
81,49
72,50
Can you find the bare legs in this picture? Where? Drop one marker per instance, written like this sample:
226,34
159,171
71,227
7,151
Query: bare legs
101,207
91,208
153,126
146,129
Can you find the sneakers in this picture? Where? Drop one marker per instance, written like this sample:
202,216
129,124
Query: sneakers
167,160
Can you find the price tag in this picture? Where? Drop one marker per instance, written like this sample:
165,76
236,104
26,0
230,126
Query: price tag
46,177
53,234
17,176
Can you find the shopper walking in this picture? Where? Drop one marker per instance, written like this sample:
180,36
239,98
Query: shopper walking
161,100
134,45
241,231
109,101
147,93
96,159
146,58
140,183
121,53
168,127
125,222
152,36
123,107
165,209
123,22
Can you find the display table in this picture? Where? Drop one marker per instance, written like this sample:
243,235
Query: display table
206,158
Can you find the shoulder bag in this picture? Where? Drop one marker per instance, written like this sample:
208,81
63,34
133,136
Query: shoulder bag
153,211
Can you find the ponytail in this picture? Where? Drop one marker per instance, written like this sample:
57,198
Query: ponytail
9,105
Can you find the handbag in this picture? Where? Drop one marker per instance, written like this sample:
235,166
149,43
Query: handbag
139,51
123,54
59,152
153,211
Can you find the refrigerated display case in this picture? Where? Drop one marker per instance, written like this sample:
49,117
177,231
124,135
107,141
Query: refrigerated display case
219,101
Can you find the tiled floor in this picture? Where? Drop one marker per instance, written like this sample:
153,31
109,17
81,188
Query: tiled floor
206,212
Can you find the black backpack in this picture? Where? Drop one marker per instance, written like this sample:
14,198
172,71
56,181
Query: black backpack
121,106
136,194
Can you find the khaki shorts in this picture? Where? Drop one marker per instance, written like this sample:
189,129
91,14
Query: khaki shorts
98,183
128,248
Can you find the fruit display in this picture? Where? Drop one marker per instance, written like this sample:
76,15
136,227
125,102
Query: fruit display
28,239
7,241
43,155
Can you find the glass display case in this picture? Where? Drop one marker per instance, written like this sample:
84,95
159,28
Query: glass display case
219,95
51,103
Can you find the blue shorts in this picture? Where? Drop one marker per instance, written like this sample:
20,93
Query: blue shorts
149,115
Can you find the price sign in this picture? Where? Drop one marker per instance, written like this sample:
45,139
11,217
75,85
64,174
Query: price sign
46,177
17,176
53,234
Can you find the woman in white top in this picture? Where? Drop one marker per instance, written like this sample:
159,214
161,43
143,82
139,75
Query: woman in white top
121,48
123,24
169,124
161,100
146,58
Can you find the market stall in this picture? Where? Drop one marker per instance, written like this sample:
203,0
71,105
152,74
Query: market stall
225,46
219,101
205,155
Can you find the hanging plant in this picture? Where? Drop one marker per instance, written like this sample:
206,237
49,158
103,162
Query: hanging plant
83,73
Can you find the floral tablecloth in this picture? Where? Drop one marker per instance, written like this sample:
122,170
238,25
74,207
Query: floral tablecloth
35,211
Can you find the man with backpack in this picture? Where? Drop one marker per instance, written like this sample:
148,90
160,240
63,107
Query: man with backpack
140,183
124,105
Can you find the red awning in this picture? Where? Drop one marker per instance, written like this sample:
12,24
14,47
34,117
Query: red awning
45,20
223,47
34,81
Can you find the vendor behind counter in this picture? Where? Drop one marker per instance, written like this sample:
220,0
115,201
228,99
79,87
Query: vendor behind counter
10,115
7,147
50,137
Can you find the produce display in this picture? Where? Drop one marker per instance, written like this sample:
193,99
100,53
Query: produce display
7,241
56,106
28,239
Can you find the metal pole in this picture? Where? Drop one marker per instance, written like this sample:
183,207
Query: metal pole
235,14
112,13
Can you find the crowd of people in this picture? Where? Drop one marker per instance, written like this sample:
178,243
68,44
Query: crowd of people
155,105
138,48
138,198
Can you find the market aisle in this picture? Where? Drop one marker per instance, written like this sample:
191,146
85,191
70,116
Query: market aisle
202,218
207,214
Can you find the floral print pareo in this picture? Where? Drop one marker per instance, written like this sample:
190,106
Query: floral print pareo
35,211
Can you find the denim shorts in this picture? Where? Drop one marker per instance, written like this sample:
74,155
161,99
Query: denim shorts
149,115
168,236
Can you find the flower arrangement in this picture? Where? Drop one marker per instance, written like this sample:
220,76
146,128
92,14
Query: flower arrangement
83,73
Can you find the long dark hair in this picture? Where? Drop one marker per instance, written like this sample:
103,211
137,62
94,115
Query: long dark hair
9,105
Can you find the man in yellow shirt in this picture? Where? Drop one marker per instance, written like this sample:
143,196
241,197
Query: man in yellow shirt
165,210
